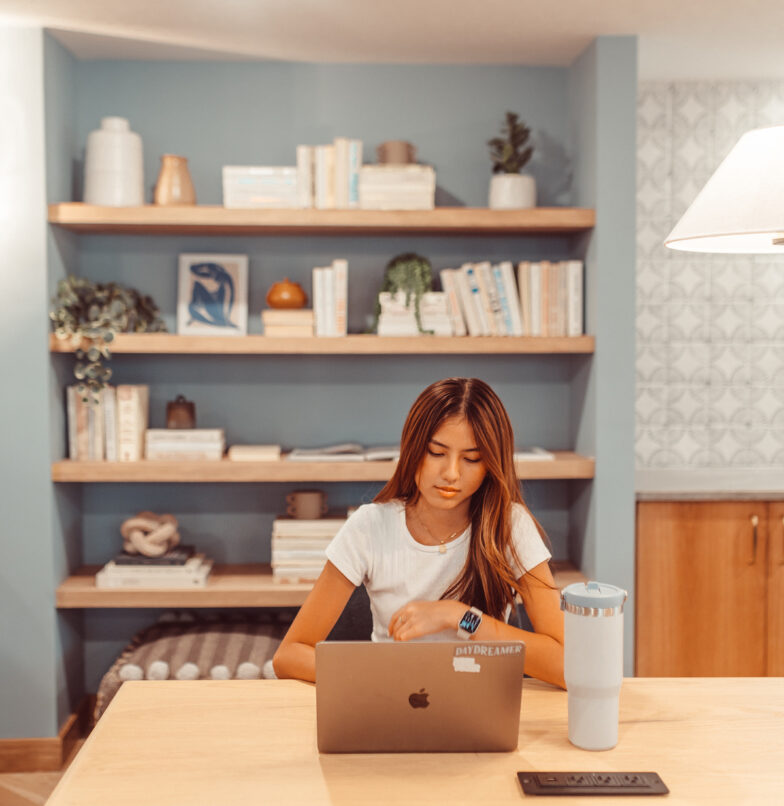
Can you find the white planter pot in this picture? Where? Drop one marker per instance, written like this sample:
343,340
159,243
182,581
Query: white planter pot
512,191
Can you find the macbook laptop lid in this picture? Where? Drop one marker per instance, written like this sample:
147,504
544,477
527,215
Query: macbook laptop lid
442,696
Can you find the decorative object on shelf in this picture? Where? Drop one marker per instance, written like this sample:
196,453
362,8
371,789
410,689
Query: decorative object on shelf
96,312
396,152
174,186
308,504
114,165
509,189
180,413
286,294
149,534
212,295
410,273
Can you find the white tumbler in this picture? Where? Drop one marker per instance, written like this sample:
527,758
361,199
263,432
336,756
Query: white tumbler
593,661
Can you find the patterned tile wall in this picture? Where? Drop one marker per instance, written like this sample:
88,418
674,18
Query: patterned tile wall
710,328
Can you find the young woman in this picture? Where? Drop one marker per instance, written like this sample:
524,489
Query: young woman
447,543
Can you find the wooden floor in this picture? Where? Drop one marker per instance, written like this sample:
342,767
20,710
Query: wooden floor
27,788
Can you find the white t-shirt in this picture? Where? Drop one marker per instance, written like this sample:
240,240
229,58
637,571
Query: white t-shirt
374,547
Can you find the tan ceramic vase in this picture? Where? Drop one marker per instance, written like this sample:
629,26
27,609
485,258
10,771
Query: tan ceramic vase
287,294
174,185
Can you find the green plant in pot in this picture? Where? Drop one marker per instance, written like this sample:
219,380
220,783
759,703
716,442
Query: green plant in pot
88,315
413,275
510,153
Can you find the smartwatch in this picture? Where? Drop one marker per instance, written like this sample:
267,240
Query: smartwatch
469,624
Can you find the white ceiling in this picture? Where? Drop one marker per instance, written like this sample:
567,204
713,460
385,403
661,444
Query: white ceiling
679,39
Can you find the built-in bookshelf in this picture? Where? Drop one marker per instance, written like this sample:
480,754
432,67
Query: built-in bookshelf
172,344
227,586
566,465
213,220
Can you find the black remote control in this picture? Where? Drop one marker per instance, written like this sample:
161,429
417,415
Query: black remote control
592,783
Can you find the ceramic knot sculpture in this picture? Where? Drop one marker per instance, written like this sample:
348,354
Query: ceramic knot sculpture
149,534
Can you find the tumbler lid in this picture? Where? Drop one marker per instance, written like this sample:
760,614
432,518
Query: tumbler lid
593,596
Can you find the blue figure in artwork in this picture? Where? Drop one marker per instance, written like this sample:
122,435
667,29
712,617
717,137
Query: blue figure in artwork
212,297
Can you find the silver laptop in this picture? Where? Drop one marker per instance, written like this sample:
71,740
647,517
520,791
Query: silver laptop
461,696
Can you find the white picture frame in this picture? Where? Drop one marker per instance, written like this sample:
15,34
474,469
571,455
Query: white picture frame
212,295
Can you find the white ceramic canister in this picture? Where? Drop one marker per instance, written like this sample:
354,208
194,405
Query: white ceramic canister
114,165
593,661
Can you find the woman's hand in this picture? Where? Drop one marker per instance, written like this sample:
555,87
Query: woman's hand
416,619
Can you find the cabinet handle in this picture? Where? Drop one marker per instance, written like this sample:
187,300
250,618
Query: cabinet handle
754,524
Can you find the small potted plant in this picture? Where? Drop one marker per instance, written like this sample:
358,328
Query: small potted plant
509,189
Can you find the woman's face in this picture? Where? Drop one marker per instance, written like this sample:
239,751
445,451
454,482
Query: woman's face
452,469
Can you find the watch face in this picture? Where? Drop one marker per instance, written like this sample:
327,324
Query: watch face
470,622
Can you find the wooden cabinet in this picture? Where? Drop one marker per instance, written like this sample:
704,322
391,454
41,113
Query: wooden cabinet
710,588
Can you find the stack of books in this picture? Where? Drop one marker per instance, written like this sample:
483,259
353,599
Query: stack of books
330,299
398,315
260,186
397,187
287,322
328,175
551,297
298,546
254,453
180,567
345,452
183,444
108,426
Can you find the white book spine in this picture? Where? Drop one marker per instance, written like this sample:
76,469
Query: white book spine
512,297
506,312
354,166
473,284
341,145
329,301
319,301
132,407
305,159
449,285
340,275
535,297
524,287
325,177
574,283
110,422
486,295
71,402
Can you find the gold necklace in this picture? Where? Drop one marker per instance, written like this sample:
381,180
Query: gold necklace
441,542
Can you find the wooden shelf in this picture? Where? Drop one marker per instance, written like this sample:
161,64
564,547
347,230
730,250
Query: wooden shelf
566,465
172,344
227,586
214,220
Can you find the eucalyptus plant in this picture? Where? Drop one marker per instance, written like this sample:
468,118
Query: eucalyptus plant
88,315
412,274
509,153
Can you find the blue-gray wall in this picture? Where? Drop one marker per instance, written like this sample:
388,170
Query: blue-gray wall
219,114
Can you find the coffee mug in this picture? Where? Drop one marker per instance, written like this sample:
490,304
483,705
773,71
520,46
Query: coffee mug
308,504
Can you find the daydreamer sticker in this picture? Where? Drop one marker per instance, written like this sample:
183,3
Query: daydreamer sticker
487,651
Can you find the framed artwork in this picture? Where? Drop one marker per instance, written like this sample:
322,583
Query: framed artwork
212,295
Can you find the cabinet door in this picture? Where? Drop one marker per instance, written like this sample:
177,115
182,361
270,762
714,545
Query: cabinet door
776,589
701,589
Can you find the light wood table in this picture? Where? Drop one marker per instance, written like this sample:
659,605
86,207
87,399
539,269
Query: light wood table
205,743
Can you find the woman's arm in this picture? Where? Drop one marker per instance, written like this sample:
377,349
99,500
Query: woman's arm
544,651
296,655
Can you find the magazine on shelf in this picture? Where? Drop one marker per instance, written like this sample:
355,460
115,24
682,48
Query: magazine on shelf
176,556
345,452
533,454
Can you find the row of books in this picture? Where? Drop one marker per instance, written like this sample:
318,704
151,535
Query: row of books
181,567
298,546
484,300
330,176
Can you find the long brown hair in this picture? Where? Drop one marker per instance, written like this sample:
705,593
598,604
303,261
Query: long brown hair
487,580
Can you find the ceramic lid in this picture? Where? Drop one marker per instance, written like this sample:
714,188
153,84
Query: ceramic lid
594,596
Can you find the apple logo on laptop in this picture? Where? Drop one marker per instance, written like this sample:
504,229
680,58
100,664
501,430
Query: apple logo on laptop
418,699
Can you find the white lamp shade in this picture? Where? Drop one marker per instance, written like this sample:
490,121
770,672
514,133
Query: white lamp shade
741,208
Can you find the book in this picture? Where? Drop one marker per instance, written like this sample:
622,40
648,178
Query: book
305,170
132,415
574,296
341,145
535,298
345,452
175,556
533,454
354,167
288,331
449,286
324,192
524,287
507,283
110,422
95,437
340,313
183,453
191,565
489,297
260,186
287,316
470,273
319,301
189,436
467,304
397,187
254,453
158,579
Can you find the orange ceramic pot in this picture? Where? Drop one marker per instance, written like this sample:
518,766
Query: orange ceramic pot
286,294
